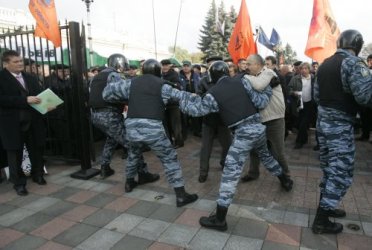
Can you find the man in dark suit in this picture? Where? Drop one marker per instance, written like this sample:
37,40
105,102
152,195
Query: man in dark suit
3,161
20,123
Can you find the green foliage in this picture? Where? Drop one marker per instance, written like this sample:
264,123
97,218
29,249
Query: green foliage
212,41
290,56
180,54
197,57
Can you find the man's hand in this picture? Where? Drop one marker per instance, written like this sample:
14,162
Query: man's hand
33,100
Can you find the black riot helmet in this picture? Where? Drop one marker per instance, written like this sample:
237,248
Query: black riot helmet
217,70
152,67
118,62
350,39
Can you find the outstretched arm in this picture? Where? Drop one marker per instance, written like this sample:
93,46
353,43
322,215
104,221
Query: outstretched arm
259,99
193,104
261,81
117,91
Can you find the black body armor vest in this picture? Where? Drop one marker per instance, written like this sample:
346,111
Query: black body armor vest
331,93
233,101
145,99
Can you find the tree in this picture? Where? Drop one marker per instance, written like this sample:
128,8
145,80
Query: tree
180,54
197,57
288,53
216,31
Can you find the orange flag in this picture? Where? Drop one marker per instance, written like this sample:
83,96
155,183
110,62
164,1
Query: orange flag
44,12
241,43
323,32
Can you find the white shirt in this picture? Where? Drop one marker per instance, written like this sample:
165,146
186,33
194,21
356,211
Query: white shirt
306,89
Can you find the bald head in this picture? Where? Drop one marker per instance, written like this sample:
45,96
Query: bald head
255,63
284,69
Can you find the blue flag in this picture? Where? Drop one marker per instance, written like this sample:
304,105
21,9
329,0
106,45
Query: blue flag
275,38
262,38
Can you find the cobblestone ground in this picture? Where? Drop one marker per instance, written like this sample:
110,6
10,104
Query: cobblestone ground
97,214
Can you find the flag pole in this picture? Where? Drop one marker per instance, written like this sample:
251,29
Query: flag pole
153,20
257,33
178,23
88,3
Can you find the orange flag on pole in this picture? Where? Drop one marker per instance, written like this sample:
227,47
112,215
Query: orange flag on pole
242,43
44,12
323,32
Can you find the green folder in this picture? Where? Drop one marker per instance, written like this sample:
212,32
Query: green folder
48,100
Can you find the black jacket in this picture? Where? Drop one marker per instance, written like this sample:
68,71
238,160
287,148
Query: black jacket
13,106
171,78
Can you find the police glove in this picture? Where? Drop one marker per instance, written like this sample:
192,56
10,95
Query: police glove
274,82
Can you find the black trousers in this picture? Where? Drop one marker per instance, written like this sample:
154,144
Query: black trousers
208,134
366,118
304,120
3,158
173,125
17,177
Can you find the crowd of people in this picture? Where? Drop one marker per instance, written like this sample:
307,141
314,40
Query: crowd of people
251,107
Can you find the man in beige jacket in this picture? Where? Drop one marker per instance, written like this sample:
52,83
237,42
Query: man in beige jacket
272,116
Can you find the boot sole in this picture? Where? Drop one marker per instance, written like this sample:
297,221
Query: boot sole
144,182
221,229
107,175
179,204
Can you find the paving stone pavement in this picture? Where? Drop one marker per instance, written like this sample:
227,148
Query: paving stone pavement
97,214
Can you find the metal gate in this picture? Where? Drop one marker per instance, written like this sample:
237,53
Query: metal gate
63,70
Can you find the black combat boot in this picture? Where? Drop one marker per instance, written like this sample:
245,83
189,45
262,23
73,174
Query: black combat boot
147,177
335,213
215,221
322,224
106,171
285,182
184,198
130,184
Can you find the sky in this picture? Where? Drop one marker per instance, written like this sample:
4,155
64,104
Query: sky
291,18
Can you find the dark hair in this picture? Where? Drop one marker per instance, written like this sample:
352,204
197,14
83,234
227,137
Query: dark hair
369,57
196,66
298,63
272,59
314,63
8,54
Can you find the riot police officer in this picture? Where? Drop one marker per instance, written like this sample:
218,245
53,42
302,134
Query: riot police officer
108,117
227,97
147,96
343,82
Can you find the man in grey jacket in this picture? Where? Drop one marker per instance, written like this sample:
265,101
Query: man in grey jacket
272,116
